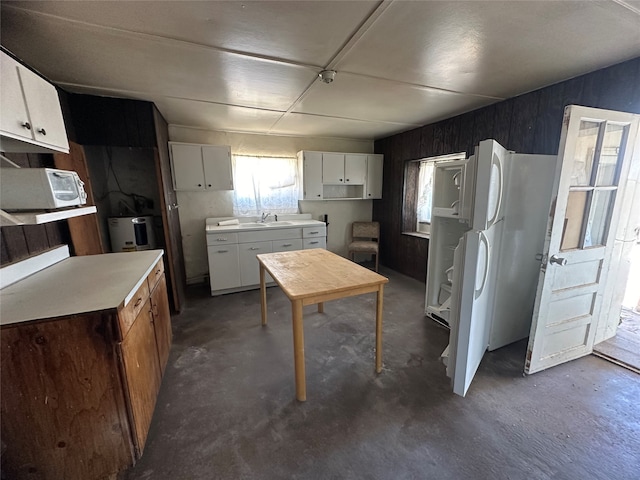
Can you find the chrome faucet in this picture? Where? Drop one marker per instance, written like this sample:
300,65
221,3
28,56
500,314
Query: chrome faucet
264,217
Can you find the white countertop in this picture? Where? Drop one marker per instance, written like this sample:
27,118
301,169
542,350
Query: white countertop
213,227
77,285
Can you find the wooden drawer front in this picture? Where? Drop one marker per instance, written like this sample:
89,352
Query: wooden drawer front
128,314
156,274
315,243
312,232
221,238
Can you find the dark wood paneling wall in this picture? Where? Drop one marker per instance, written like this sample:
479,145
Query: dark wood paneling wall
116,122
529,123
20,242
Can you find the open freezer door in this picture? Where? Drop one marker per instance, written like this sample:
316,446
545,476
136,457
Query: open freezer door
472,296
489,186
595,155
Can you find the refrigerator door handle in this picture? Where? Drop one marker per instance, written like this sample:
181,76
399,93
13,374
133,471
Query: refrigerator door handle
485,240
498,165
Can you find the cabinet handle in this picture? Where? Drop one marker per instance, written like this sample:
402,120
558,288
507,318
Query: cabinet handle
319,195
369,194
26,125
347,180
340,179
287,244
137,302
158,272
313,233
254,248
221,239
199,184
42,131
313,243
208,185
223,251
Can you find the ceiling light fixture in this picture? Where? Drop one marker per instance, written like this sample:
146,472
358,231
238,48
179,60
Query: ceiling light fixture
327,76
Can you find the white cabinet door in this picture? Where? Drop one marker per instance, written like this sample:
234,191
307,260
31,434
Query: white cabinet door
224,268
44,110
186,163
216,161
374,177
597,148
31,110
333,168
15,118
249,266
355,168
312,175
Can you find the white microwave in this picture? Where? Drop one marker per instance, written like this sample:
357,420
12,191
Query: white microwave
40,188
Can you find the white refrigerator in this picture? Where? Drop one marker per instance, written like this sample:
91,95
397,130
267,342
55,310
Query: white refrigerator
489,219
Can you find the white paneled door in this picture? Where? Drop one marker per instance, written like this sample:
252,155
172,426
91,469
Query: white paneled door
596,151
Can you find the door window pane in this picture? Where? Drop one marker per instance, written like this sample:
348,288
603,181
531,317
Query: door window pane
598,218
585,151
610,155
573,220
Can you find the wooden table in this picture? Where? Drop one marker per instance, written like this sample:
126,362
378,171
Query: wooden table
315,276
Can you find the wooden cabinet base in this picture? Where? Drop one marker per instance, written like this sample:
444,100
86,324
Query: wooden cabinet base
63,408
78,392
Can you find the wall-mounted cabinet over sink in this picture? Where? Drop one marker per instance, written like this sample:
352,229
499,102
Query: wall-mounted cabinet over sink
341,176
31,119
197,167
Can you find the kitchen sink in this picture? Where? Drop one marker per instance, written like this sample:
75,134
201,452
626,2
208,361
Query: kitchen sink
281,224
253,224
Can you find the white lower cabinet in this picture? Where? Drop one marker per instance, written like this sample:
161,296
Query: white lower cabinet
223,260
233,265
249,266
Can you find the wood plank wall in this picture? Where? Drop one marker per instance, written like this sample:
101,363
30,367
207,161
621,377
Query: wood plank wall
20,242
529,123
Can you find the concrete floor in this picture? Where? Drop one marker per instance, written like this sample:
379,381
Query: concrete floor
226,409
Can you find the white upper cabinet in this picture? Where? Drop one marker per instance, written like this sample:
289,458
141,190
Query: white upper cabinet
198,167
216,161
312,178
355,168
333,168
31,119
344,169
374,177
340,176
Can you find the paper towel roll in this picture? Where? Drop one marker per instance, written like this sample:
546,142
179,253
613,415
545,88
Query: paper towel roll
229,222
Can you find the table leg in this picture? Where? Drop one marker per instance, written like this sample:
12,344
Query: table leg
298,350
263,296
379,329
321,307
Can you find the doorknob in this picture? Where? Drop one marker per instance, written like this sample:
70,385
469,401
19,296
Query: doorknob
558,260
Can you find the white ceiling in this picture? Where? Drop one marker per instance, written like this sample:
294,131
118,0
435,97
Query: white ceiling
252,66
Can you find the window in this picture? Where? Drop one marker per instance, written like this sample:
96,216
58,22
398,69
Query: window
265,184
418,192
425,189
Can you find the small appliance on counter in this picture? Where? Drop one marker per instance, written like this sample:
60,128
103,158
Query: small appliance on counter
129,234
40,188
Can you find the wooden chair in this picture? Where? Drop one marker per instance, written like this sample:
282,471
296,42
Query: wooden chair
365,239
